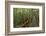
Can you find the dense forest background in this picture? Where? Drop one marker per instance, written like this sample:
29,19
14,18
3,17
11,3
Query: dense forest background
25,17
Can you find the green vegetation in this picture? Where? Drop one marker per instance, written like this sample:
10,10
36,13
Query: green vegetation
25,17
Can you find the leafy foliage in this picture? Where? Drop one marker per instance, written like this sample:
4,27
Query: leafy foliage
26,17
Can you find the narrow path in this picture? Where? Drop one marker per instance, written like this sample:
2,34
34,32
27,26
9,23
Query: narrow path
25,23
